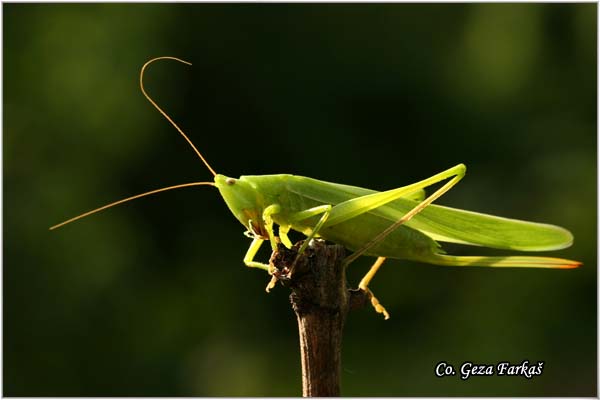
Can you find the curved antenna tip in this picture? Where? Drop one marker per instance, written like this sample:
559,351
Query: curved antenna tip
165,58
164,114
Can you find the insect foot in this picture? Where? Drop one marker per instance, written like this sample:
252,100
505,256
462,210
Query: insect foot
375,303
274,272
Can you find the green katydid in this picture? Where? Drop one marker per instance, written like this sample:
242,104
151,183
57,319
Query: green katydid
400,223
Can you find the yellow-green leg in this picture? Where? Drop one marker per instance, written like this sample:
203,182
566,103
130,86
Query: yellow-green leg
257,241
357,206
325,210
268,223
364,285
251,253
283,230
283,235
458,172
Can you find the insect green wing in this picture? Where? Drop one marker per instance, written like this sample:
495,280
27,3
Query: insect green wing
468,227
453,225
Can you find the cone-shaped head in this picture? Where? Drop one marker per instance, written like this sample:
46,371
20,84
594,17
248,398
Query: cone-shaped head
244,201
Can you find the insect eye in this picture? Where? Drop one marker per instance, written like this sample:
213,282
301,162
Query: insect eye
230,181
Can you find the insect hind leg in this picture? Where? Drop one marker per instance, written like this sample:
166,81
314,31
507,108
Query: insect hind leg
456,173
364,286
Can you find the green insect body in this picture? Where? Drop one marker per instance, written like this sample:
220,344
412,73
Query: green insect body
298,193
401,223
248,197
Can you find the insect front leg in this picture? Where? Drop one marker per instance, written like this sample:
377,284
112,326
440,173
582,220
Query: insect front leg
251,253
258,241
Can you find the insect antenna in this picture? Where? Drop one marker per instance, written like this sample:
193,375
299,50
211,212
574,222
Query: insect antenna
164,113
137,196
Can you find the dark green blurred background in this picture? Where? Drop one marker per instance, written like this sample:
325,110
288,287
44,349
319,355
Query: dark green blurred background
152,299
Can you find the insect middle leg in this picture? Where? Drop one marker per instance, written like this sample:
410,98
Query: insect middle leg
283,235
299,216
311,212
